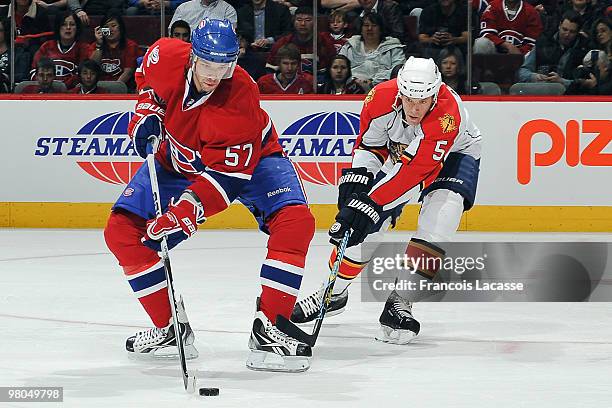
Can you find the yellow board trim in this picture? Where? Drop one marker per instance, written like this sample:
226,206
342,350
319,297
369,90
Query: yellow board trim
490,218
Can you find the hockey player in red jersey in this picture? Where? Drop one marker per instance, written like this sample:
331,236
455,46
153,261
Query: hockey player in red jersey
508,26
217,145
416,141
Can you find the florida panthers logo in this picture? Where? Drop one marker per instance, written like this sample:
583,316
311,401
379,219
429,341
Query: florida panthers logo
184,159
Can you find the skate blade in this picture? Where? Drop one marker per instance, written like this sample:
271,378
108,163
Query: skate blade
266,361
165,353
389,335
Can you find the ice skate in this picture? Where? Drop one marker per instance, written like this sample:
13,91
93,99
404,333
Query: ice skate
307,309
273,350
397,325
161,342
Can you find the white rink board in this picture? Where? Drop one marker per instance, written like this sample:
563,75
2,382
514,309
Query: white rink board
57,178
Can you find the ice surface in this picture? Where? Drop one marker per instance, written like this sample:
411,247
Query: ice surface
66,310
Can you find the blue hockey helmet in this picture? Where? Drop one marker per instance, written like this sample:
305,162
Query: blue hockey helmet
215,40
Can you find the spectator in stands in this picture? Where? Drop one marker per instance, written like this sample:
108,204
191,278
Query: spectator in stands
45,75
32,24
442,24
65,49
89,72
393,21
288,80
302,39
585,9
22,58
53,6
346,6
181,30
339,78
372,56
555,58
194,11
264,20
508,27
252,62
338,29
85,8
115,53
452,67
602,35
593,76
151,7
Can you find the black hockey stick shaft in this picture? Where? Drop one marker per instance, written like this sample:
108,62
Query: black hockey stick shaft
288,327
168,269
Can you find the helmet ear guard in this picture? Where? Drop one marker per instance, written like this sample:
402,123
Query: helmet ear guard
419,78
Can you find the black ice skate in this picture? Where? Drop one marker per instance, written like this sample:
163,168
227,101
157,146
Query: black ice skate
307,309
397,325
161,342
273,350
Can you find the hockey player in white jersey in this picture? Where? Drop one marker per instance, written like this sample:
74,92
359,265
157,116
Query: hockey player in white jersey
416,140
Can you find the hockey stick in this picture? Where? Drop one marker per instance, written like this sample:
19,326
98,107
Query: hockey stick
290,328
189,381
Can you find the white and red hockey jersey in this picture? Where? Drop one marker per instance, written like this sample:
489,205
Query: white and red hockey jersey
410,156
521,30
215,141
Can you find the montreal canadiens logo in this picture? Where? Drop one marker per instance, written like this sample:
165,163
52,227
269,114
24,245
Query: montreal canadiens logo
321,144
101,148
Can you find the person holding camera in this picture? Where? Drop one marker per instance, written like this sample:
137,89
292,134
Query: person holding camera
593,76
115,53
554,58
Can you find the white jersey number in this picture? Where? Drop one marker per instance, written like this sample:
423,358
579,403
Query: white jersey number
232,154
439,152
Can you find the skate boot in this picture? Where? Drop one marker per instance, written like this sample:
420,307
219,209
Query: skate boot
273,350
307,309
161,342
397,325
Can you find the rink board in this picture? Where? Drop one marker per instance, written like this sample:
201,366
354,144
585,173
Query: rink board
545,167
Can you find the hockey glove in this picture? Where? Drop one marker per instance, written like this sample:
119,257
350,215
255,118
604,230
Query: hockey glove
358,216
146,132
353,181
178,223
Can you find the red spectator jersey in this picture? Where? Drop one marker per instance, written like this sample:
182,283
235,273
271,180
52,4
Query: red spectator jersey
66,63
115,60
410,156
215,140
324,46
521,31
337,40
301,84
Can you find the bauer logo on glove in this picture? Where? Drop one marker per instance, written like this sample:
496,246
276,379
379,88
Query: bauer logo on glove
177,224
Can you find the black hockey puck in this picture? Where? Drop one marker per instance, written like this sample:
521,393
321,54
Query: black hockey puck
209,392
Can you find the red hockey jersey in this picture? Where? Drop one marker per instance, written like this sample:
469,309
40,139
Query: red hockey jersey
215,141
301,84
115,60
522,30
66,63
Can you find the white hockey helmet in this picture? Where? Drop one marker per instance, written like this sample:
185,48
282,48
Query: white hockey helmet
419,78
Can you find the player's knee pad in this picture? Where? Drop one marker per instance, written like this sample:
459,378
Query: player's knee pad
122,235
440,216
291,230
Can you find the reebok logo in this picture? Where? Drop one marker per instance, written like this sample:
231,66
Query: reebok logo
279,191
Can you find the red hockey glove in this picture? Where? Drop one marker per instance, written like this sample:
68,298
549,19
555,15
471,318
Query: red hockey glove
178,223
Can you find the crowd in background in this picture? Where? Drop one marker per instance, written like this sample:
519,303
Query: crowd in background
83,47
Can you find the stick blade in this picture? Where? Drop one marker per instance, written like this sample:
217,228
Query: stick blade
289,328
